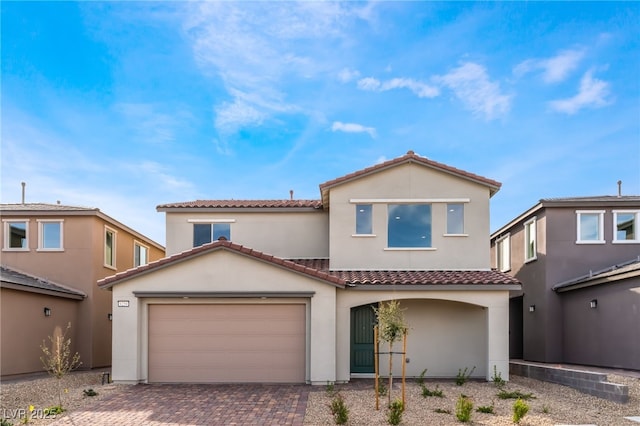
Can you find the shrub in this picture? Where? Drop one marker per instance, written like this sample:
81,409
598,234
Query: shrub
51,411
442,411
487,409
503,394
428,392
89,392
396,409
339,410
464,408
520,409
498,381
420,378
546,409
463,375
57,359
382,389
5,422
331,388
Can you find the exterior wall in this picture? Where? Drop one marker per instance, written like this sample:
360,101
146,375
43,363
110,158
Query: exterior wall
439,321
609,335
24,327
79,265
286,234
407,182
220,271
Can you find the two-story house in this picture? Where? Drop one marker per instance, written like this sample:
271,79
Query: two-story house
282,290
579,263
52,255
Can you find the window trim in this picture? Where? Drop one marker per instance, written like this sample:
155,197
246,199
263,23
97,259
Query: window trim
615,239
600,214
139,244
108,229
533,223
369,234
7,233
211,222
504,239
41,234
461,234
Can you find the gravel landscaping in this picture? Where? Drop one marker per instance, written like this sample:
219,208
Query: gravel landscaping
553,404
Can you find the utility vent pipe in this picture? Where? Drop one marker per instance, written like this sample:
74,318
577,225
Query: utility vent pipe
24,184
619,188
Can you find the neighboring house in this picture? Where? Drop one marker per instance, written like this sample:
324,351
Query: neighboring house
52,256
578,260
282,290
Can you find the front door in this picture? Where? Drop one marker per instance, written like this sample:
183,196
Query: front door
363,319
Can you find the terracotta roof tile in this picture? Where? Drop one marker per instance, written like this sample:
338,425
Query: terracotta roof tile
231,204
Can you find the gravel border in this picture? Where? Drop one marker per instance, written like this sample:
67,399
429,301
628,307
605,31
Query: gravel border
554,404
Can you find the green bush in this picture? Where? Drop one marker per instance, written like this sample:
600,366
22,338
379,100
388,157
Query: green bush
463,375
464,408
503,394
339,410
90,392
56,409
5,422
420,378
520,409
498,381
442,411
394,417
428,392
382,389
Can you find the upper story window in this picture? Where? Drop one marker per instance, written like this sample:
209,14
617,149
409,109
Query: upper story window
409,225
625,226
590,226
16,235
50,235
503,253
455,219
364,219
140,254
530,240
204,233
110,247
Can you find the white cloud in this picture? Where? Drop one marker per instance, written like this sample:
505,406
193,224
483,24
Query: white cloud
338,126
420,89
554,69
471,84
229,117
593,93
346,75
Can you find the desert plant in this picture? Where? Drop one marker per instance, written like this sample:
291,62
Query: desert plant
53,410
392,326
394,417
503,394
464,408
497,379
420,378
428,392
57,360
546,409
520,409
89,392
463,375
382,389
487,409
339,410
5,422
331,388
442,411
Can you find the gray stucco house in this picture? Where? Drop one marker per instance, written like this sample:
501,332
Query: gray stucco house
579,263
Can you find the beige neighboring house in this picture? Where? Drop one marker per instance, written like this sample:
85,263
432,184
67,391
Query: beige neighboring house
283,290
52,255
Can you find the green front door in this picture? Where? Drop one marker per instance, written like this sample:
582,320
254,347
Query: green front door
363,319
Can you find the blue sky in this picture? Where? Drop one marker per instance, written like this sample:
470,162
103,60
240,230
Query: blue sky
127,105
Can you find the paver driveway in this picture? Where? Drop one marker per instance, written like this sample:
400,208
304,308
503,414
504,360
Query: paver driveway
197,405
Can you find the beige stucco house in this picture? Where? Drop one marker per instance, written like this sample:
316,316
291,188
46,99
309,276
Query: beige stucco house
282,290
52,255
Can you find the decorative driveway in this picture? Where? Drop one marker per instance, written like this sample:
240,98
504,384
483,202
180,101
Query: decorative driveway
196,404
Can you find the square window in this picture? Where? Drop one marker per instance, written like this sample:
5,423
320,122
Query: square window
140,254
590,226
503,253
204,233
409,225
455,218
625,225
16,235
110,248
364,223
50,235
530,242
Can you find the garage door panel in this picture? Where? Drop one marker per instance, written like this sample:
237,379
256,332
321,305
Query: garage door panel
227,343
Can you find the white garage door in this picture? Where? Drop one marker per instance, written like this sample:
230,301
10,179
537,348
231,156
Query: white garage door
227,343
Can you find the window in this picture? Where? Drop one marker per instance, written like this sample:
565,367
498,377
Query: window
590,227
16,235
455,219
140,254
625,226
503,253
530,244
110,248
364,225
50,235
204,233
409,225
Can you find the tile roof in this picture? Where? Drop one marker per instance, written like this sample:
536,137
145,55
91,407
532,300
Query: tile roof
318,268
409,157
29,282
44,207
230,204
417,277
593,199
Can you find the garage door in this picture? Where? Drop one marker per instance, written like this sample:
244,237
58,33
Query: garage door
227,343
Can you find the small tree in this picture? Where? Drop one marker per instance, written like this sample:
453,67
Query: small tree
57,359
392,327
